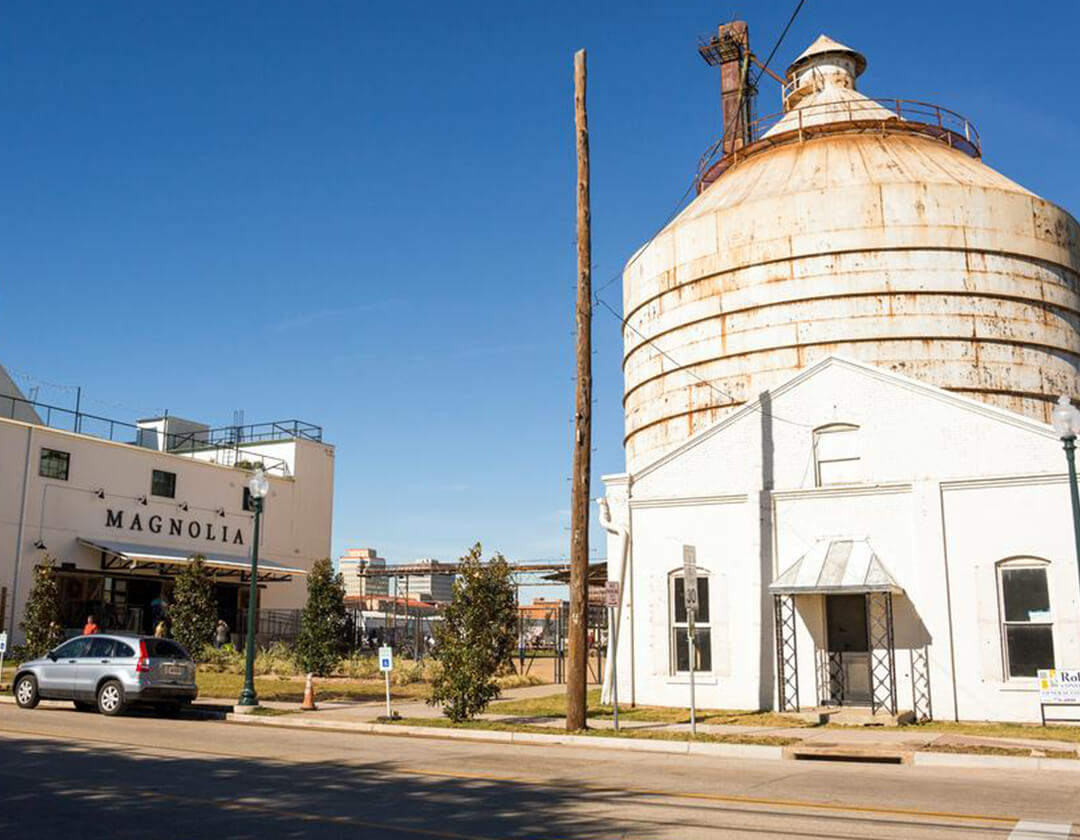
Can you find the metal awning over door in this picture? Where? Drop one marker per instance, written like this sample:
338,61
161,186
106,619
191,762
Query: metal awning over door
836,567
133,555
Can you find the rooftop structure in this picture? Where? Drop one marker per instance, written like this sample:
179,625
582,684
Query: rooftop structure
243,446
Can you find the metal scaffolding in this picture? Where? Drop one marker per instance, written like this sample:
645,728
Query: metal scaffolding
787,655
879,615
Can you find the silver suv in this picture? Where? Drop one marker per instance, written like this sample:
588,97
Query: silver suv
110,672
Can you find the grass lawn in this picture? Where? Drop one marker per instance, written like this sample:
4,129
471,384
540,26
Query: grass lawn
554,705
647,734
1060,732
292,688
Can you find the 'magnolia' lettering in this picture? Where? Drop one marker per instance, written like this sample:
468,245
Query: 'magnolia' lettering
177,527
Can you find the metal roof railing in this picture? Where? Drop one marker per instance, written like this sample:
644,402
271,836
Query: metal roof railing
226,442
859,116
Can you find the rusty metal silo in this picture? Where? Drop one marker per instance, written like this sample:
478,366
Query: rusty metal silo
865,227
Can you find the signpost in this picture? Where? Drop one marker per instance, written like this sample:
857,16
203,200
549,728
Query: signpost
689,554
386,665
611,600
1058,688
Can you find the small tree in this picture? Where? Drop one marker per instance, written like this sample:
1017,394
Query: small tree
476,636
194,608
41,616
321,642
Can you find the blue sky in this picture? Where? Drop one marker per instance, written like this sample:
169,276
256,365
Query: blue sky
362,215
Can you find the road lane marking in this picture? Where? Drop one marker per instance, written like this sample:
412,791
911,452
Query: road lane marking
1032,830
722,797
593,788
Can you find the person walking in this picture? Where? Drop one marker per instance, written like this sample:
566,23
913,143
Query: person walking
221,634
90,627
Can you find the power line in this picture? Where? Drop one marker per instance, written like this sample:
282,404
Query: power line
656,233
719,143
734,400
779,41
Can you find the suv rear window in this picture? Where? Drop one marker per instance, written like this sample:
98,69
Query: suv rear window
164,649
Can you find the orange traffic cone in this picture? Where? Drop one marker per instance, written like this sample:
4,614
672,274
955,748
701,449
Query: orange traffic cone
309,697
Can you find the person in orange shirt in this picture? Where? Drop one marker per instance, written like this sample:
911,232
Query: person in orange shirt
90,627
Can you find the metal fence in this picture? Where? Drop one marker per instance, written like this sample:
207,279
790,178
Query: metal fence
225,442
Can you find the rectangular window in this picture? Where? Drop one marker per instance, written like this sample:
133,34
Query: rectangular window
54,464
1027,625
836,455
163,483
680,642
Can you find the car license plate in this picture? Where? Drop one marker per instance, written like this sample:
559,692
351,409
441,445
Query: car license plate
174,670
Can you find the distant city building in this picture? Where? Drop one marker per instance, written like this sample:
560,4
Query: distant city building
543,609
354,563
425,583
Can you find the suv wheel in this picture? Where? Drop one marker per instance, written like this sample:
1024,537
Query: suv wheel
110,698
26,693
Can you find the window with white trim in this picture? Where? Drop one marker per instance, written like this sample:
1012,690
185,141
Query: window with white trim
680,644
836,455
1027,626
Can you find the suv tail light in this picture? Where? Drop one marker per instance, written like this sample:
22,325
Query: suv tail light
143,665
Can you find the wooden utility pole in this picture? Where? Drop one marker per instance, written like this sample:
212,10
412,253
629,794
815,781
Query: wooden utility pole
579,501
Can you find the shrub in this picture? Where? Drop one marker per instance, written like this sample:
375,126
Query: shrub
360,667
407,672
277,659
475,638
194,609
225,659
322,625
41,616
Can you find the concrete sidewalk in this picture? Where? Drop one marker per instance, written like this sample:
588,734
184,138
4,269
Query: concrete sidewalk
865,743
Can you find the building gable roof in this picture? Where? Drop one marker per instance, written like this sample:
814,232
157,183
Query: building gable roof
889,377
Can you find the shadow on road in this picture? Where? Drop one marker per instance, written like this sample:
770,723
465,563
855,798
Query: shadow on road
65,791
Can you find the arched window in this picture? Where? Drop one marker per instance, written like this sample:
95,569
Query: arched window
1027,622
680,643
836,454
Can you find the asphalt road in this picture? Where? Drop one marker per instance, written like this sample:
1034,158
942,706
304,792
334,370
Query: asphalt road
70,774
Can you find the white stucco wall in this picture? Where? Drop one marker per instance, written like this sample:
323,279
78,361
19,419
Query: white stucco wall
295,527
949,488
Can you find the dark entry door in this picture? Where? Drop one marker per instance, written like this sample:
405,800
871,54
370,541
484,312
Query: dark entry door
845,621
846,617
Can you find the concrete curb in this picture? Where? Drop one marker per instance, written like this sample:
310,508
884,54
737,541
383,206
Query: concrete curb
994,762
715,750
751,751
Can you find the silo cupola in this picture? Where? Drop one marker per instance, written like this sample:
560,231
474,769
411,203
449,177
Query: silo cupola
825,63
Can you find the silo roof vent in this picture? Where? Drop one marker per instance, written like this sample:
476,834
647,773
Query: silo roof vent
824,64
824,45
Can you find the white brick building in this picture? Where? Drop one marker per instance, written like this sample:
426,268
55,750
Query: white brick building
965,506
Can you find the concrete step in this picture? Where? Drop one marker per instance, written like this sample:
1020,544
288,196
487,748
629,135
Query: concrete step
851,716
867,753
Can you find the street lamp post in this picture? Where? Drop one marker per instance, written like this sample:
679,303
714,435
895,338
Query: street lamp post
258,486
1066,420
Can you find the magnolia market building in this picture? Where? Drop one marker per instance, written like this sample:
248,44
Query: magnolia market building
120,508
